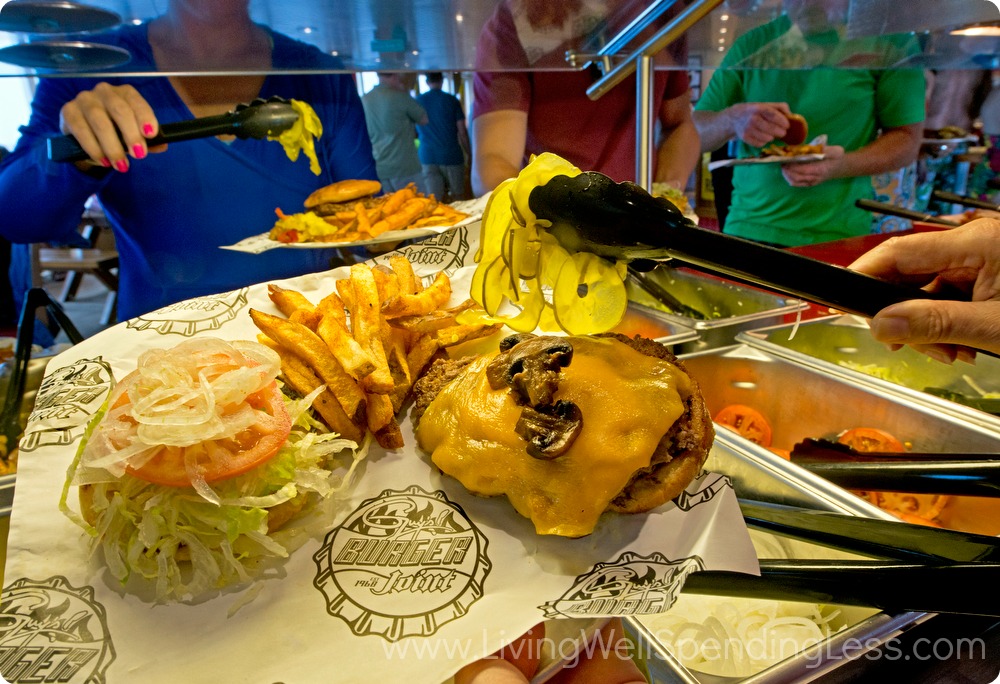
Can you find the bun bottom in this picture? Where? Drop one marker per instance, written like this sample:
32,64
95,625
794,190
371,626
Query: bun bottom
277,516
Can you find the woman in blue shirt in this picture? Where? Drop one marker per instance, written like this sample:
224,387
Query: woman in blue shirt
172,211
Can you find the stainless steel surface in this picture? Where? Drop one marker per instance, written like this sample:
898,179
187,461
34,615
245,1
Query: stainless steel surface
732,308
671,32
759,475
641,320
799,401
843,346
644,128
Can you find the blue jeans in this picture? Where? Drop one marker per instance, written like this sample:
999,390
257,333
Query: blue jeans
394,183
445,182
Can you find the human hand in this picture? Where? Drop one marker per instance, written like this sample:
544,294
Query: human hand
808,174
758,123
103,118
606,660
966,258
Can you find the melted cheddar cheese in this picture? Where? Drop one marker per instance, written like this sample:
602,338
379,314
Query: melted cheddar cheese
628,401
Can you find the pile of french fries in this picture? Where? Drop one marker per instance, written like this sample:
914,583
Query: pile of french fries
400,210
367,342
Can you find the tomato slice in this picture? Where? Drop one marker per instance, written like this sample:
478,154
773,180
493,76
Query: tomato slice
746,421
867,439
217,459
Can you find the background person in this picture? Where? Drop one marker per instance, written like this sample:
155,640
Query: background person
873,120
170,212
966,258
391,115
444,142
526,102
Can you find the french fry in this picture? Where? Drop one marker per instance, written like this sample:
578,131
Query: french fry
305,343
403,269
310,319
421,353
345,290
367,327
411,210
396,200
301,378
364,225
386,282
288,301
333,305
433,321
390,436
456,334
354,358
434,296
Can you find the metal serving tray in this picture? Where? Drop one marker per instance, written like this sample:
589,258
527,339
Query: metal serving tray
762,475
656,325
844,346
799,402
731,307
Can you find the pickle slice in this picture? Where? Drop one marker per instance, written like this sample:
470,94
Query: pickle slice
589,295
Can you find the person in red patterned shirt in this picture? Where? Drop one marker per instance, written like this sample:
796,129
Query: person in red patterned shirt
527,102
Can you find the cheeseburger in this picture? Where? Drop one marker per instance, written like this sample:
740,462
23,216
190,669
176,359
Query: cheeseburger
342,196
566,427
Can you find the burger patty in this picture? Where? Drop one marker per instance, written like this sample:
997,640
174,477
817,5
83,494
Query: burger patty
678,457
331,208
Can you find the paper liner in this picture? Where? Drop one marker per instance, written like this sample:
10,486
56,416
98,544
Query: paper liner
444,578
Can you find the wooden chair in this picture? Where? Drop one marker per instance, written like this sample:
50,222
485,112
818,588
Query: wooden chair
100,259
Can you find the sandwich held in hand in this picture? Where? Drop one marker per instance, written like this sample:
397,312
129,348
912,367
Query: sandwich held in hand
190,476
566,427
798,130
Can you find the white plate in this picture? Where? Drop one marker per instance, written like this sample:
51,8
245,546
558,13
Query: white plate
262,243
798,159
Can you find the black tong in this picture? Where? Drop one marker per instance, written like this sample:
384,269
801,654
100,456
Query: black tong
975,202
592,213
259,119
893,210
921,473
924,569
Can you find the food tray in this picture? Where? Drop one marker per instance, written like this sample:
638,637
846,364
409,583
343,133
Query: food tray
762,475
800,402
731,307
844,346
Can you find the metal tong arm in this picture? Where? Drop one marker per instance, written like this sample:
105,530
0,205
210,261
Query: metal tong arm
893,210
590,212
954,477
959,588
871,536
945,196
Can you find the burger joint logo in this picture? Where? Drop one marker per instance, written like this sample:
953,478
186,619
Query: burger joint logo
51,632
631,585
402,564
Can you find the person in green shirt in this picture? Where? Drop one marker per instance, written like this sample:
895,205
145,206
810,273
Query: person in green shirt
799,63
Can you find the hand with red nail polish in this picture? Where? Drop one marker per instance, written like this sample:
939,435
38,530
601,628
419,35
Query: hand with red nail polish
963,262
110,122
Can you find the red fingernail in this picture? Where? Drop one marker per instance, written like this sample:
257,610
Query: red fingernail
105,162
122,165
147,129
139,151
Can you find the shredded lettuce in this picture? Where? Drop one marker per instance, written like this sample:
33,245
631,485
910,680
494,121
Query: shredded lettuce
187,546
